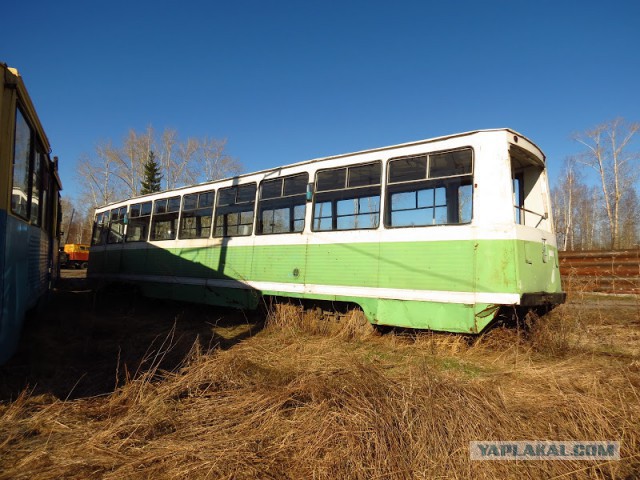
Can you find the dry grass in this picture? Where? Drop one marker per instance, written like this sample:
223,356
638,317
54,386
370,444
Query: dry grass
311,397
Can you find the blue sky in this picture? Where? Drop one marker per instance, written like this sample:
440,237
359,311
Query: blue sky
289,81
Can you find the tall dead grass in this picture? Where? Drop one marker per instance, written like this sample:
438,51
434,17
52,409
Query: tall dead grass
297,320
315,398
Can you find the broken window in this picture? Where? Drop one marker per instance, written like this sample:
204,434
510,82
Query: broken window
347,198
235,210
282,205
434,189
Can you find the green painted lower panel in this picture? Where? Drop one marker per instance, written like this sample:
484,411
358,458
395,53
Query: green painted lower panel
456,276
446,266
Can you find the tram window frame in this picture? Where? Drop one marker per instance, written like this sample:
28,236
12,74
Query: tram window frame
117,225
29,173
36,187
518,197
22,165
100,226
287,200
235,218
45,194
195,214
530,196
343,191
450,188
164,219
139,218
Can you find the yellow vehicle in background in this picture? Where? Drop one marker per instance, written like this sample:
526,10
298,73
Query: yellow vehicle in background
76,255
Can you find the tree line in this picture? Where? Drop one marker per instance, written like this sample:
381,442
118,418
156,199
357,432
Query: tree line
115,172
596,199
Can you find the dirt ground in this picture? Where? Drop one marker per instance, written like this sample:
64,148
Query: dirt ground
86,344
112,385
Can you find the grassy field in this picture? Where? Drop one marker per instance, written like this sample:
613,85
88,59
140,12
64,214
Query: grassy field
121,387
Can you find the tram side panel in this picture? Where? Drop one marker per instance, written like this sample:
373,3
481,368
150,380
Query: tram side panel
429,284
4,286
280,267
29,187
450,277
25,278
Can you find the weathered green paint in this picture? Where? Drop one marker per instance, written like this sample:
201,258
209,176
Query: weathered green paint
484,266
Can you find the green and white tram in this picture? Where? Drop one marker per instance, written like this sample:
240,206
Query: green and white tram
439,234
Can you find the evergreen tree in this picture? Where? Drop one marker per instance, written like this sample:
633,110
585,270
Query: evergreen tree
151,181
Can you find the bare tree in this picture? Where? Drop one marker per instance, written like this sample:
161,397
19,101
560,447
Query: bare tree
609,153
590,220
565,201
180,169
168,142
76,221
124,164
96,179
214,163
629,225
115,172
131,158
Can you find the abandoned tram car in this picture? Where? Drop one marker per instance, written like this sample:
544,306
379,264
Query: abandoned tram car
29,210
437,234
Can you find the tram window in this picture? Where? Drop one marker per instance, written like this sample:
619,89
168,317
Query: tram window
29,175
235,210
518,198
138,225
100,228
46,201
348,198
465,203
408,169
427,206
271,189
282,204
433,189
197,210
36,184
164,222
296,184
356,213
450,164
333,179
21,159
116,225
323,216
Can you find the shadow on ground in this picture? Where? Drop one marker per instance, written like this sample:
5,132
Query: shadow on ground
86,344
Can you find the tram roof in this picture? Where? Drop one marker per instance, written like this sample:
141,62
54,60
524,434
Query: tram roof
408,144
334,157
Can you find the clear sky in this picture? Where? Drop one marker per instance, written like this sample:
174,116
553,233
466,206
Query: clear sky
286,81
